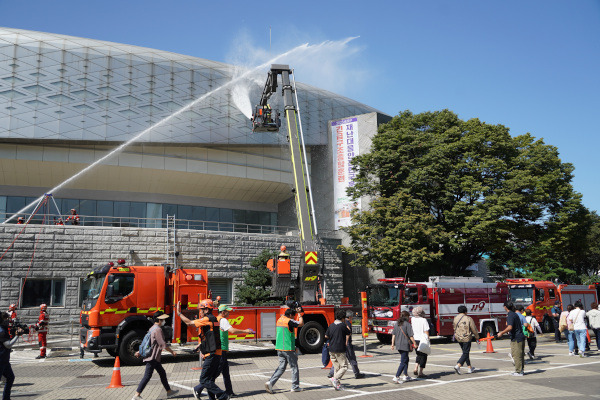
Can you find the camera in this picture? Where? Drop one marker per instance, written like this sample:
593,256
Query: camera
23,327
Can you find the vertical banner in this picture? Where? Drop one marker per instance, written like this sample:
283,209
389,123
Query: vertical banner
345,139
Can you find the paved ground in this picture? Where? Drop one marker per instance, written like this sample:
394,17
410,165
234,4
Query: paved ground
553,375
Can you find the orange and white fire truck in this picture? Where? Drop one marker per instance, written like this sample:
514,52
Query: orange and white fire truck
569,294
538,296
120,299
440,298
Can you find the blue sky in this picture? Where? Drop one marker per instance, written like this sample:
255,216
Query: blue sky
529,65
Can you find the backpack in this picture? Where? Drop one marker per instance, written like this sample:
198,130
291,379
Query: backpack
146,346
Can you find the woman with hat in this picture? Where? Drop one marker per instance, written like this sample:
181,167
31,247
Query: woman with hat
420,328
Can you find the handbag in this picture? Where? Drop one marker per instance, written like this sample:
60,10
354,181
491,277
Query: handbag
410,345
572,326
457,324
424,347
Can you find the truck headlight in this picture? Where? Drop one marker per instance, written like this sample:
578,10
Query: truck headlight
391,323
89,335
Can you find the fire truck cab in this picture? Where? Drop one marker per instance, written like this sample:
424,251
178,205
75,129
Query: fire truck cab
440,298
538,296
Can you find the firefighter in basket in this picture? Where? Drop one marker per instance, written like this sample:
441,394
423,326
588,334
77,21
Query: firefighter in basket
12,315
42,329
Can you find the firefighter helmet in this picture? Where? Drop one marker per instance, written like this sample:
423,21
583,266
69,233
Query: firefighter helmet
12,307
206,303
43,307
72,210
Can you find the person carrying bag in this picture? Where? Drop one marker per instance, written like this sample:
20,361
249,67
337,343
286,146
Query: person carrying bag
464,331
420,328
403,341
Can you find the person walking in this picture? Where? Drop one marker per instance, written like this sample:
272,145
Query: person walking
42,330
517,338
464,331
338,335
568,329
12,320
594,320
6,343
577,317
157,345
285,344
226,329
350,354
403,340
555,311
210,349
535,329
420,328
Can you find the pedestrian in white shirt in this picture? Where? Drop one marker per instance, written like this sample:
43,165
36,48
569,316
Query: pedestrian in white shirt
577,317
594,320
532,339
420,328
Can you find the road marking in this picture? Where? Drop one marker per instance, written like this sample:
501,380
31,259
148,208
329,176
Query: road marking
181,386
457,381
346,389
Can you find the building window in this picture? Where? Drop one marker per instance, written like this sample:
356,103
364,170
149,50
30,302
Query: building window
43,291
221,287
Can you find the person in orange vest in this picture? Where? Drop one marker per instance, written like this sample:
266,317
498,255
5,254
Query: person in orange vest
285,344
210,349
225,329
12,319
74,218
42,330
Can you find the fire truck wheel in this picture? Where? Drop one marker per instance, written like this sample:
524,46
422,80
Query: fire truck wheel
384,339
488,328
311,337
129,346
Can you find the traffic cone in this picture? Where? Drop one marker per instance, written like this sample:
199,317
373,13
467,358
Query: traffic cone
115,381
328,366
489,348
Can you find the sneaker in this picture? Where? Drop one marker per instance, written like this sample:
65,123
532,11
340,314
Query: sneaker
571,353
471,370
530,355
298,389
516,374
136,398
172,393
40,357
360,375
511,358
329,376
406,378
457,369
268,387
196,394
582,354
396,379
334,382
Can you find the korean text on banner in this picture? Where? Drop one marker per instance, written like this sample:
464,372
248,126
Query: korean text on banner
345,137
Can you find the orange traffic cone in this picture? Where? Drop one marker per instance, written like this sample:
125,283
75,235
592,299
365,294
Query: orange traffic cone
115,381
489,348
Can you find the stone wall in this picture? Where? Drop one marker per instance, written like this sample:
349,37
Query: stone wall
71,252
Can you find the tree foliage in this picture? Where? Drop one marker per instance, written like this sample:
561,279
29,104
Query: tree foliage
256,288
445,192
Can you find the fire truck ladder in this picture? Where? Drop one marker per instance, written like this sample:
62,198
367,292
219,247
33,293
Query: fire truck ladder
172,241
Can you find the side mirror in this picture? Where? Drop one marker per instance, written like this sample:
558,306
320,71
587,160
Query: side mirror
110,279
109,290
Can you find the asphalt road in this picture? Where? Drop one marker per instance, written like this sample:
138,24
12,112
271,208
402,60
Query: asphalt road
553,374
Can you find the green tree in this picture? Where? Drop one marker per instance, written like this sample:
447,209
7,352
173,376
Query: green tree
256,288
444,192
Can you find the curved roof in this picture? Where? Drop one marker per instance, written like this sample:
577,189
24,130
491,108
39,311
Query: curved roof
57,87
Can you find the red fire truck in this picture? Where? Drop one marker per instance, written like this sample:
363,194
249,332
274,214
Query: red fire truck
440,298
538,296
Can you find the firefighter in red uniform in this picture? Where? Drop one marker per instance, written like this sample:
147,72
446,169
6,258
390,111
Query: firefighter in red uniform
20,221
74,218
42,329
12,313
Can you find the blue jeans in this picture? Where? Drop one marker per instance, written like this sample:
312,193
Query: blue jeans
581,336
571,339
286,357
403,367
7,372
